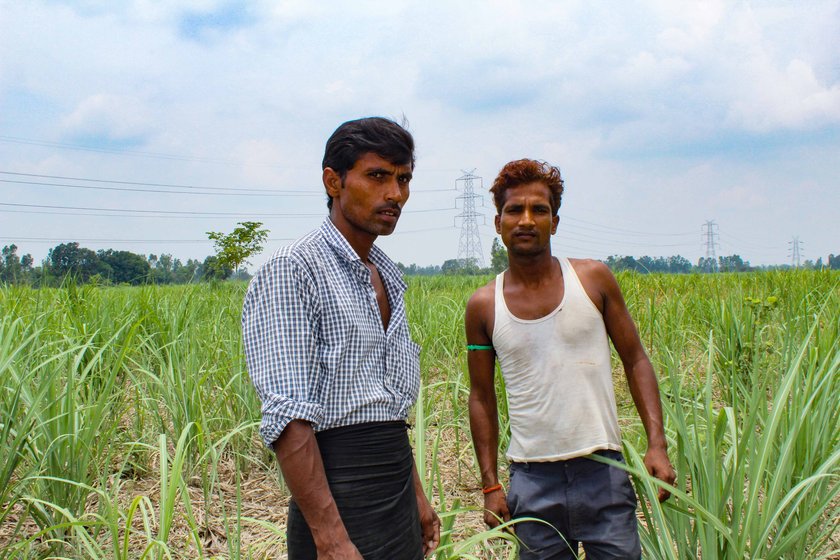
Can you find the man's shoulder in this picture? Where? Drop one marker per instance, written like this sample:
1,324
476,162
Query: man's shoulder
590,268
483,298
301,254
596,278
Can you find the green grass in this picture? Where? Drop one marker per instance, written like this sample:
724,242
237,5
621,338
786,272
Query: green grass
128,425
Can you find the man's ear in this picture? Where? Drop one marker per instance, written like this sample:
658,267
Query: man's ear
554,221
498,221
332,181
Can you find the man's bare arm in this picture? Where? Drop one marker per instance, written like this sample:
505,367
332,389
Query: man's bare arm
303,470
429,520
484,419
641,378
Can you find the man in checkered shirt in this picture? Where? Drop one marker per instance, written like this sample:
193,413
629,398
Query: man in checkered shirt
329,352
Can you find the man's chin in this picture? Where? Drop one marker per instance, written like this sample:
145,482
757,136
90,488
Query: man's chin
528,251
387,229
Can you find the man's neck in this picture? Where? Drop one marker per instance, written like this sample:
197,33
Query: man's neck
359,241
532,269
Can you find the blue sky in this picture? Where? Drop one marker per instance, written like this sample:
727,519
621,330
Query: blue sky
662,116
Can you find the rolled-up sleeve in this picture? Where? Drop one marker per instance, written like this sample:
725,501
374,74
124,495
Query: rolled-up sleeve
280,319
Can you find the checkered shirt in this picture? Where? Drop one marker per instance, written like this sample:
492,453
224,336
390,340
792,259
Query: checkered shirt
314,342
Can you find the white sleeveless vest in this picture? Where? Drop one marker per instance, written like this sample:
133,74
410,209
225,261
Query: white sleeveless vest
558,377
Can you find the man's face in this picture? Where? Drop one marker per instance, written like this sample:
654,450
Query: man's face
368,201
526,222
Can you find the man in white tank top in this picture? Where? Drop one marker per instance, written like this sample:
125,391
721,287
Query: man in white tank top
549,322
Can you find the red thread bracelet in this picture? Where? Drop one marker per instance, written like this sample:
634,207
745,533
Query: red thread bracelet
491,488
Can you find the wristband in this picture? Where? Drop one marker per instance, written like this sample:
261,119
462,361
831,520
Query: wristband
479,347
490,489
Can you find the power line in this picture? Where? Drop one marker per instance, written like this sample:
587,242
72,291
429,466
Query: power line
625,231
122,182
99,240
599,241
131,189
159,155
95,215
424,230
750,244
177,213
564,233
183,241
121,152
173,213
238,191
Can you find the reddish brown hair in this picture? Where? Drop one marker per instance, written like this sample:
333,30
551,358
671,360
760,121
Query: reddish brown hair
524,171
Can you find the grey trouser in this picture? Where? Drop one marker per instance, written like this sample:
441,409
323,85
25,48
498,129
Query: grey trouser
584,501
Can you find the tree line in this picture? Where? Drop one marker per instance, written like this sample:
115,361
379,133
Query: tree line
106,267
109,267
676,264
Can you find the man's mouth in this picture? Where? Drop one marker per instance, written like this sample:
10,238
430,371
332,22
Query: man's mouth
393,212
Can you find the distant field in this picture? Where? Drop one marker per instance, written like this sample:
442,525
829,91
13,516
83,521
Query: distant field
128,425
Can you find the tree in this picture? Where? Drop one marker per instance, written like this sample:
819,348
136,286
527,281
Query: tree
12,268
187,273
126,267
233,249
617,263
733,263
498,256
212,269
646,264
414,270
163,268
679,264
707,264
70,259
460,266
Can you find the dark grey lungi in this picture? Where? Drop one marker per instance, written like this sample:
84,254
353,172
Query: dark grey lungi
369,469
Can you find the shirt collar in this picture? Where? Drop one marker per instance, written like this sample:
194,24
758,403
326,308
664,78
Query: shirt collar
387,269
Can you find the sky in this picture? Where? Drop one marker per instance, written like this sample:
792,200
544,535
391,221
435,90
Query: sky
680,127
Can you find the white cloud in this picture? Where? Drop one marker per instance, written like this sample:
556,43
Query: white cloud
740,198
690,25
789,97
110,116
647,71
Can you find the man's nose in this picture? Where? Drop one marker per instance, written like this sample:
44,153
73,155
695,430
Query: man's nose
393,191
527,217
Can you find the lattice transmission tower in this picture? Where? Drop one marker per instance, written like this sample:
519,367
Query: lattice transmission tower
710,235
795,252
469,247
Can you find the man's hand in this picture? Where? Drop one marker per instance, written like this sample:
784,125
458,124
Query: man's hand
658,465
495,508
429,524
339,551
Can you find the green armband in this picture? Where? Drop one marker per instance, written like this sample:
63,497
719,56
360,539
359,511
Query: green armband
478,347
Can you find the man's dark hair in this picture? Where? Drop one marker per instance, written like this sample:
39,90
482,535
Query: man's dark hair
353,139
523,171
